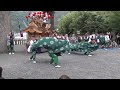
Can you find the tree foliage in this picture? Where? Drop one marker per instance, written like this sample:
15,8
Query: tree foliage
21,17
89,21
114,21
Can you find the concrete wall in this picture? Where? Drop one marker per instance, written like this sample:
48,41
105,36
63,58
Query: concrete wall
4,29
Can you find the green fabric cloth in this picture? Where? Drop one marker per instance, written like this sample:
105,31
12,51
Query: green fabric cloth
60,46
84,47
54,58
33,55
52,45
11,48
102,40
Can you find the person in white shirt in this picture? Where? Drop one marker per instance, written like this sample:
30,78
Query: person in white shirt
30,45
67,38
34,51
107,41
107,38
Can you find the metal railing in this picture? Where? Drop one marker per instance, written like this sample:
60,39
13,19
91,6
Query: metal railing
20,41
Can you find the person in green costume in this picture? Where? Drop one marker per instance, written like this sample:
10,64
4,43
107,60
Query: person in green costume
54,46
10,43
101,39
34,52
85,47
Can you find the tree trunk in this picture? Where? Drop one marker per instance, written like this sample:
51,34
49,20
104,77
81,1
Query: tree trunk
4,29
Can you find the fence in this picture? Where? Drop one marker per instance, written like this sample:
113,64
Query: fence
20,41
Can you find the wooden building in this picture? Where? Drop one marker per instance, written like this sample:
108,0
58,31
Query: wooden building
35,30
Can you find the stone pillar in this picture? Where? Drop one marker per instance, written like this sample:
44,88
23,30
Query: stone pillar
4,29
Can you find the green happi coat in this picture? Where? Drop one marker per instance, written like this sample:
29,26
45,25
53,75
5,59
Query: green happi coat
102,41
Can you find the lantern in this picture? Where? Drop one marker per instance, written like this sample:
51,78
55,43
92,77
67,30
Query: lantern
49,16
27,17
41,12
52,17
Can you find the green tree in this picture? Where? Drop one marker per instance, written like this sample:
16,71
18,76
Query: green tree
84,21
114,21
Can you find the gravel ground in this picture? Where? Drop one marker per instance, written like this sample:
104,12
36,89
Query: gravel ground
104,64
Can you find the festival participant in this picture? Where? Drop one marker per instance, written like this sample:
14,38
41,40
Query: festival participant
93,36
64,77
1,69
27,44
34,51
45,19
107,40
30,44
79,39
101,40
8,42
86,37
118,38
113,44
92,40
67,39
54,47
73,39
11,38
58,36
55,35
63,37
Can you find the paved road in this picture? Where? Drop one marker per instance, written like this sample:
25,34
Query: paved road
104,64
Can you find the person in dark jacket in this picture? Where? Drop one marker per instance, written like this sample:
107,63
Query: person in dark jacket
64,77
1,69
11,39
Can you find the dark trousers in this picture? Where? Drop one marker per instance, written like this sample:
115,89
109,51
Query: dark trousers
11,48
33,55
118,41
39,50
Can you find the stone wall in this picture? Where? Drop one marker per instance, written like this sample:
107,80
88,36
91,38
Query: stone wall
4,29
